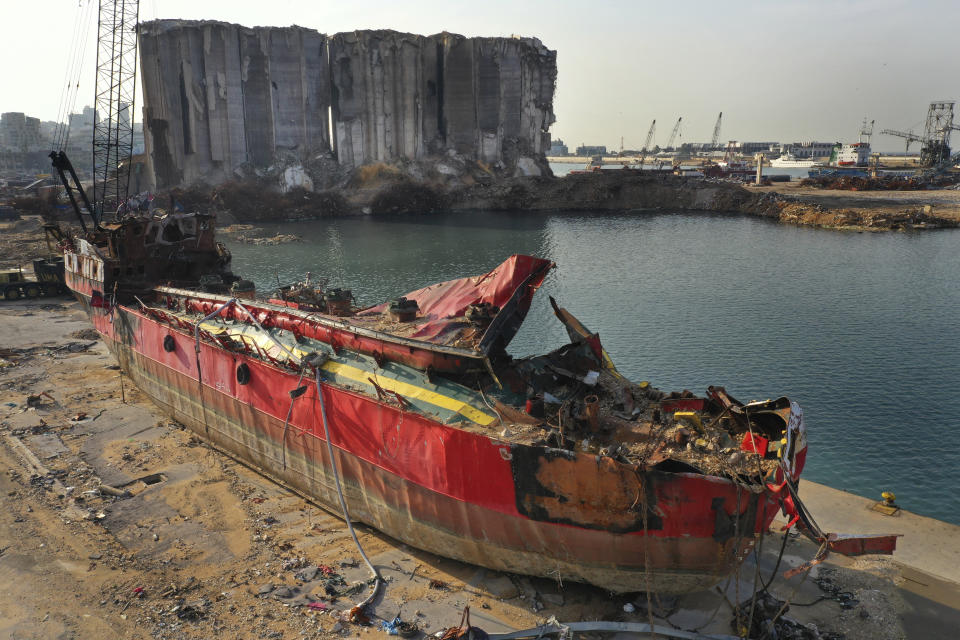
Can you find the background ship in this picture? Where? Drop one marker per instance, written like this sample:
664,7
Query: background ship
788,160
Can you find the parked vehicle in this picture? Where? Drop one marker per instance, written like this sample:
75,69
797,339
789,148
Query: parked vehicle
48,281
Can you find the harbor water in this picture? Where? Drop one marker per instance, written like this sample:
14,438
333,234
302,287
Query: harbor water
859,328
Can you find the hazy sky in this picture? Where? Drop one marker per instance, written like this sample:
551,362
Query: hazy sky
778,70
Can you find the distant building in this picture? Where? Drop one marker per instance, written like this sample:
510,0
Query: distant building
750,148
20,132
26,141
48,129
696,147
86,119
808,149
79,141
588,150
557,148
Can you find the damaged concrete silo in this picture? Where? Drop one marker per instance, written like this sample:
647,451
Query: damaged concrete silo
381,82
497,98
218,96
222,99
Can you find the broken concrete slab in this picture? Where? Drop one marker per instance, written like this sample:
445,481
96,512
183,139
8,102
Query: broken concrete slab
499,586
46,445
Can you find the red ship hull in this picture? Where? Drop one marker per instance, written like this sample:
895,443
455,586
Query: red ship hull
460,494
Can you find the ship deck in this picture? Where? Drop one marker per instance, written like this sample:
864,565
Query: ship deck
630,421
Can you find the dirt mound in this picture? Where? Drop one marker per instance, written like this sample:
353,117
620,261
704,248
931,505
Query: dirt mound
407,197
85,334
33,205
881,183
255,201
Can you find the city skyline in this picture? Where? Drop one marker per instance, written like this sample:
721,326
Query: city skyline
780,72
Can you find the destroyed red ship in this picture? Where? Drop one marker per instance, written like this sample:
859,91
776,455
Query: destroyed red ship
553,465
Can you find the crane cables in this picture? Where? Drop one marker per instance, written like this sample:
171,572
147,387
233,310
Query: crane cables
82,28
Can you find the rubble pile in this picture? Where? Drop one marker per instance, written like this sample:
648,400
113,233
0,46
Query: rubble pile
256,202
882,183
23,241
594,409
454,183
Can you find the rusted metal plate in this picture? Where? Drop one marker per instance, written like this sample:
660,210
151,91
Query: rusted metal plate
595,492
858,545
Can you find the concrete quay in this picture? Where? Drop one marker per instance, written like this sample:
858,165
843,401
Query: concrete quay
928,545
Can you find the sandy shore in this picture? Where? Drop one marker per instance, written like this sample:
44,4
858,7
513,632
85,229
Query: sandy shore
205,547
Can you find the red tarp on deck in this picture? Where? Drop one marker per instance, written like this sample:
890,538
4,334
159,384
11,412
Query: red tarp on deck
443,305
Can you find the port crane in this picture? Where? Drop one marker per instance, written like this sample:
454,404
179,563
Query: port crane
646,143
714,141
674,133
935,142
866,130
114,96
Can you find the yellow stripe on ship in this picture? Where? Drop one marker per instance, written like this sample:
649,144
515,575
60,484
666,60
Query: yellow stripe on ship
362,376
410,391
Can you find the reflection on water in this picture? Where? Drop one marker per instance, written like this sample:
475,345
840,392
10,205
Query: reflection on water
858,328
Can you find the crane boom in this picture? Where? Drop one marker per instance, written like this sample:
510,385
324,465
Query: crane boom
674,133
716,133
114,95
646,143
909,135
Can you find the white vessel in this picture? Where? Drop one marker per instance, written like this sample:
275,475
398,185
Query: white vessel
788,160
856,154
